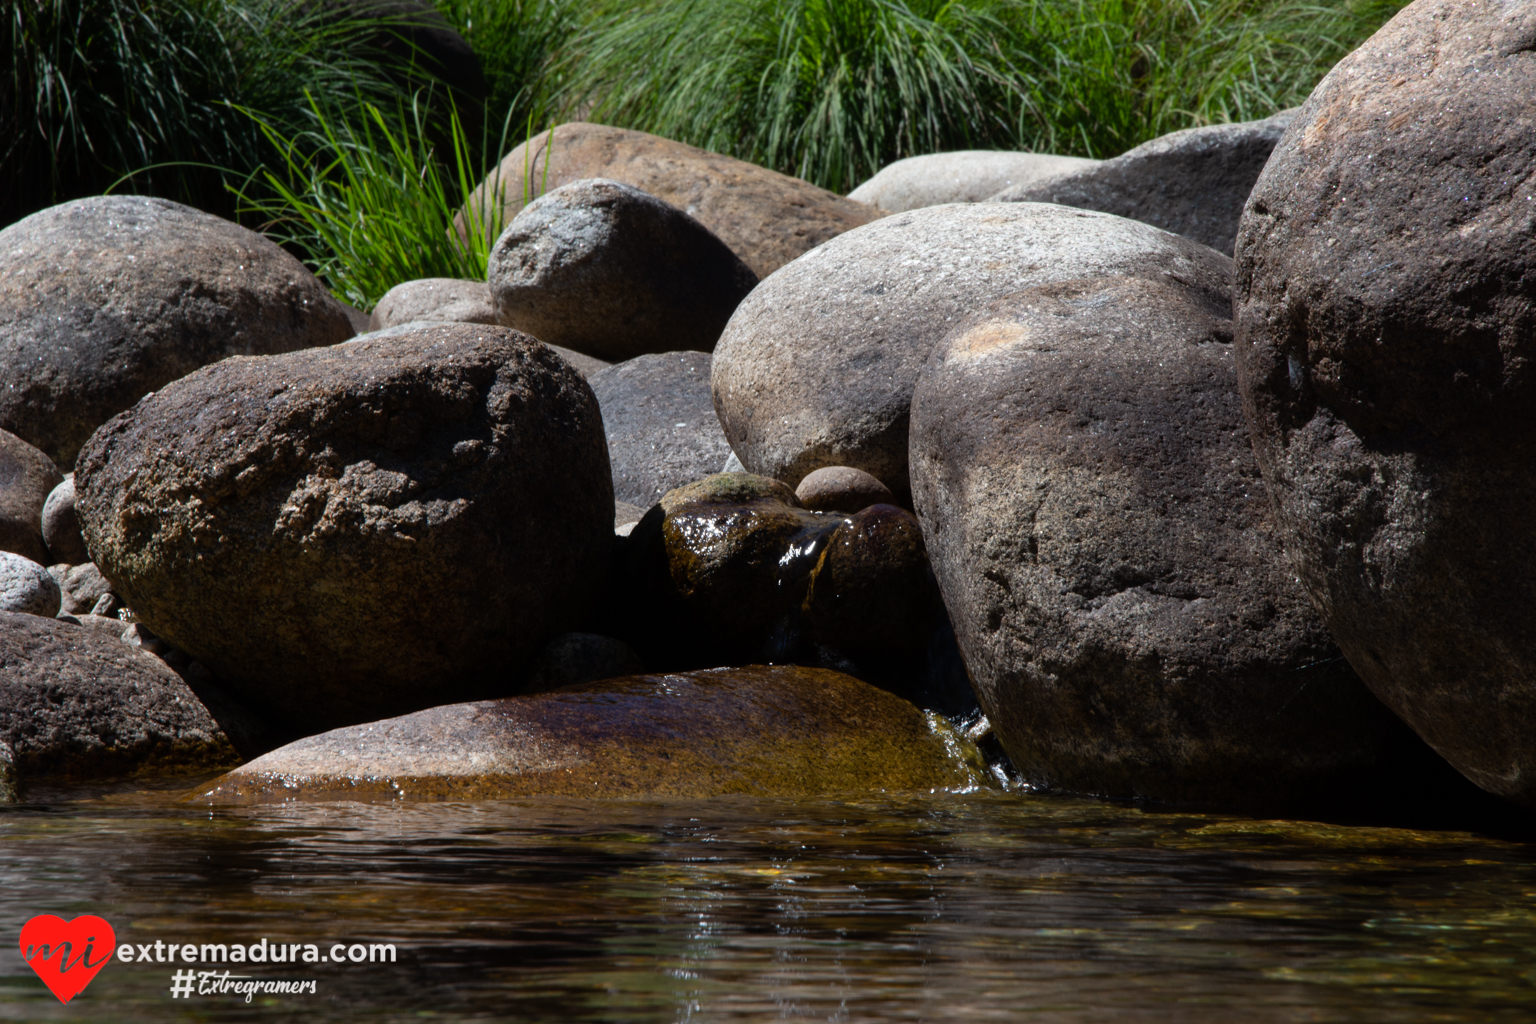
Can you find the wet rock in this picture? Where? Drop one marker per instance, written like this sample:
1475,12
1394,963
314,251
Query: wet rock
107,298
434,299
80,703
372,527
765,217
1386,310
730,570
26,587
966,176
759,731
842,489
661,424
817,366
26,478
61,526
83,589
1192,182
573,658
1103,542
607,269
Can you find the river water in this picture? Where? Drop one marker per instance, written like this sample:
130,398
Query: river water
976,907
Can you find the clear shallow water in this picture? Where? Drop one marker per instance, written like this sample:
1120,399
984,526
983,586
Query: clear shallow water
984,907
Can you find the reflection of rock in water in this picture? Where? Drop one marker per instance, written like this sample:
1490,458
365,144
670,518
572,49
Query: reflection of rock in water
731,570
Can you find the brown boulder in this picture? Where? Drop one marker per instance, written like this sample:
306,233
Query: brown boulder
766,218
1386,311
758,731
369,528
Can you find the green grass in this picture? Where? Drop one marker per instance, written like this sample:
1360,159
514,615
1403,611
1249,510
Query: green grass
832,90
368,200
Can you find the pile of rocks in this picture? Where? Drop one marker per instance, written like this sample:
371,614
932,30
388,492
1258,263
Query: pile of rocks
720,483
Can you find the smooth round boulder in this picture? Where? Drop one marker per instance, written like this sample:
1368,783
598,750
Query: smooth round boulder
369,528
606,269
105,299
27,477
761,731
61,526
1192,182
434,299
1386,313
78,702
26,586
964,176
661,424
1104,545
842,489
817,366
766,218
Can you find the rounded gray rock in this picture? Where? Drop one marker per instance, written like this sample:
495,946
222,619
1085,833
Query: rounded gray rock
842,489
817,366
26,586
435,299
61,527
344,532
27,476
964,176
105,299
612,271
1386,311
78,702
1106,551
661,424
1192,182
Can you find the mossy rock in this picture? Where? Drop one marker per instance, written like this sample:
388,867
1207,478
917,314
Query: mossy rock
779,731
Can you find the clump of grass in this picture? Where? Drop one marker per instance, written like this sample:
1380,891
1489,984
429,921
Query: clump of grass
368,200
518,43
832,90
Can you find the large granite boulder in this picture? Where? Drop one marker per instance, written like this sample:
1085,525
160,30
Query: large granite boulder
661,424
365,529
604,268
731,570
105,299
766,218
817,366
1103,542
75,701
27,477
965,176
757,731
434,298
1386,311
1192,182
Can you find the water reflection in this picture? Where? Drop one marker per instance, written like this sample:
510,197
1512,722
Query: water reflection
983,907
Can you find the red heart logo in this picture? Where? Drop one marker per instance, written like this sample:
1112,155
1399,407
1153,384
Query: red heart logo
65,953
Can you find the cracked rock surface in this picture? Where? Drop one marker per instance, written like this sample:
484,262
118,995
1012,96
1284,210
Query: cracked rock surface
361,530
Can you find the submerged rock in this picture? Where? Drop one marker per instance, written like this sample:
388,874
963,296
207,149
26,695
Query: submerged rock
107,298
1192,182
368,528
661,424
1386,311
731,570
766,218
964,176
1103,542
604,268
758,731
817,366
27,477
78,702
